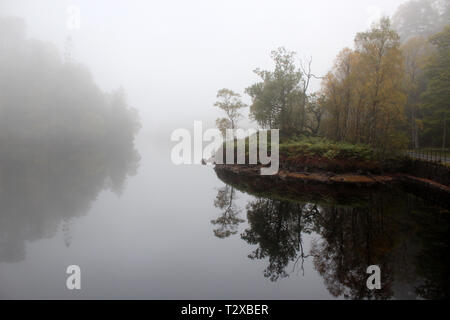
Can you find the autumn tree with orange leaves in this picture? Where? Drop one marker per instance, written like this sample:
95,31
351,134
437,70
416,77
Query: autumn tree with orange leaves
364,95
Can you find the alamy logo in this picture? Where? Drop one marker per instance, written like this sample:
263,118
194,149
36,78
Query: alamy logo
374,280
74,279
236,146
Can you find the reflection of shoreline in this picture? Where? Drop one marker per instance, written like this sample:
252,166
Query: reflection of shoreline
405,235
296,190
42,187
320,186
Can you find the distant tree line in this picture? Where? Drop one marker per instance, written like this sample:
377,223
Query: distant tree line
46,100
62,140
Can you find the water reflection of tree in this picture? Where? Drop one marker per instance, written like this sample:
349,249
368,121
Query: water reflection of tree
403,234
229,220
62,141
391,232
277,227
352,239
433,260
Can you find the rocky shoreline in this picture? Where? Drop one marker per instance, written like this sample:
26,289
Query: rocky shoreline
311,177
343,182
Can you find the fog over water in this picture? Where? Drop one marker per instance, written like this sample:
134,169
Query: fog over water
171,57
86,176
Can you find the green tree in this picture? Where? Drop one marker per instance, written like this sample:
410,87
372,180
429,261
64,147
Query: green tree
416,52
436,98
223,124
230,102
315,109
278,100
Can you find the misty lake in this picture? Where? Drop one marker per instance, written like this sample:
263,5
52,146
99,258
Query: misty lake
94,96
180,232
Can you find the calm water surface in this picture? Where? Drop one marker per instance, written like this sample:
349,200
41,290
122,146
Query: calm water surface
179,232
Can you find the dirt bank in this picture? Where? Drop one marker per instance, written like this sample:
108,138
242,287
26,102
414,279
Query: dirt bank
345,183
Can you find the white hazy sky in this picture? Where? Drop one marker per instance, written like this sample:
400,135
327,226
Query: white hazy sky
172,56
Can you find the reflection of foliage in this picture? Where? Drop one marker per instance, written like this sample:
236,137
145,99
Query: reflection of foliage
228,221
62,141
353,240
405,235
387,233
276,226
433,262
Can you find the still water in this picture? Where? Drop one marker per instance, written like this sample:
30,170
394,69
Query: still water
151,230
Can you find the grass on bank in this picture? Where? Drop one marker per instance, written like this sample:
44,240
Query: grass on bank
323,148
